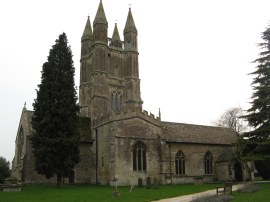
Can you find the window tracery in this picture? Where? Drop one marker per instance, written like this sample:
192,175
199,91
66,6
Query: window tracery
116,101
208,169
180,163
139,156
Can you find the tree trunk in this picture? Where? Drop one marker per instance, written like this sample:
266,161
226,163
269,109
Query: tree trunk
244,177
59,180
248,172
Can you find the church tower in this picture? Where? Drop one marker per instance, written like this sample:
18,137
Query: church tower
109,73
132,81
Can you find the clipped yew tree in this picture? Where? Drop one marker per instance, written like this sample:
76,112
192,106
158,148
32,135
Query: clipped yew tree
55,139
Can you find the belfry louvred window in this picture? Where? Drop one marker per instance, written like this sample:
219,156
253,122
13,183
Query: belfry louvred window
139,156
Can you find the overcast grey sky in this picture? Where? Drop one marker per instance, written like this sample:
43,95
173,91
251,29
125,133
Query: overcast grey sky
194,55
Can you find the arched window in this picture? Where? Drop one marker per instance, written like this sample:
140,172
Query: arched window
208,163
180,163
139,156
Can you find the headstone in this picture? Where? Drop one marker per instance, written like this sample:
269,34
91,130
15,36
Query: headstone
140,184
155,183
148,182
116,193
131,188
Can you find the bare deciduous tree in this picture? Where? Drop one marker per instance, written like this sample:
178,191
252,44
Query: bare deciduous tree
231,118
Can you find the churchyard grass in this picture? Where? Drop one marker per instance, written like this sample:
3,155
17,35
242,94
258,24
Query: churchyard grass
85,193
262,195
251,192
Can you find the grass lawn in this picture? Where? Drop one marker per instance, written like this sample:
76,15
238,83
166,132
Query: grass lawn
263,195
85,193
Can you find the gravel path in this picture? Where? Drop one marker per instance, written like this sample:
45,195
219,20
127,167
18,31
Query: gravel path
188,198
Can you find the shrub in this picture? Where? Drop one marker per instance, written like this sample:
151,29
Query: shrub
214,198
4,169
249,188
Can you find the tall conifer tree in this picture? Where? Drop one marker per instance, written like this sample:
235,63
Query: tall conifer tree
55,139
259,113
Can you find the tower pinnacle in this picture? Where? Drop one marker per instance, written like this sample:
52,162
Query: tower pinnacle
130,34
87,33
100,27
116,41
100,16
130,25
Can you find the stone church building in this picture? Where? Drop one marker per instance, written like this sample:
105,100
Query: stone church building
123,142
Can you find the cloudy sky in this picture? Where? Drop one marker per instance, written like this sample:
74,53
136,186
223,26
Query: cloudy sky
194,55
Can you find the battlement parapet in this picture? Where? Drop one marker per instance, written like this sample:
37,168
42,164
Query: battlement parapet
114,116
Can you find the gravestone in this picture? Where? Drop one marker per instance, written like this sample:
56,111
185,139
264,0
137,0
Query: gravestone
131,188
148,182
140,184
116,192
156,183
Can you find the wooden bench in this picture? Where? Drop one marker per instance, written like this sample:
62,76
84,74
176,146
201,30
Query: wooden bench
226,189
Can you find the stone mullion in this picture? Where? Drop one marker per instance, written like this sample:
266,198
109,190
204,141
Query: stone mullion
137,159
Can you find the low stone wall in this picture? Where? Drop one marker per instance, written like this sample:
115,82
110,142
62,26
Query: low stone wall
10,188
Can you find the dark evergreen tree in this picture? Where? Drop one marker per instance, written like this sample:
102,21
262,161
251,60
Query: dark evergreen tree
263,168
258,115
4,169
55,139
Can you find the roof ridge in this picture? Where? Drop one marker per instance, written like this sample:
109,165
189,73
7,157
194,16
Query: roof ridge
190,124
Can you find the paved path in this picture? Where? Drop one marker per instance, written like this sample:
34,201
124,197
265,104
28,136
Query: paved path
188,198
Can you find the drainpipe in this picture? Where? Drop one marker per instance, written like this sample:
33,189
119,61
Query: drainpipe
170,161
96,130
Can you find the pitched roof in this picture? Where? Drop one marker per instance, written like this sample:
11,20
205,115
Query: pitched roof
188,133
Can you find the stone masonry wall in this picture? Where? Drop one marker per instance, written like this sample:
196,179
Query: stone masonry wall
194,161
104,154
31,176
128,132
84,171
222,171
